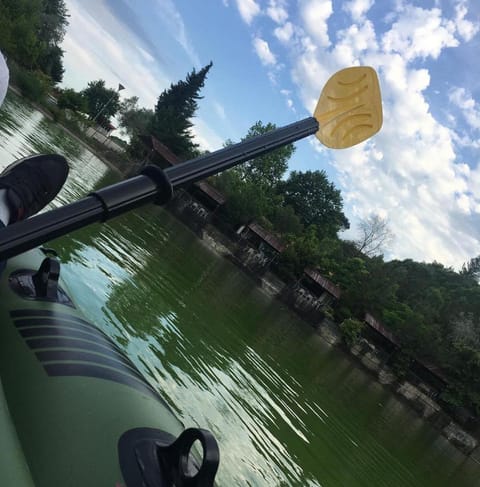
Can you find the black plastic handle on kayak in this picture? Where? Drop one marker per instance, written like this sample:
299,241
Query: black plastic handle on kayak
152,186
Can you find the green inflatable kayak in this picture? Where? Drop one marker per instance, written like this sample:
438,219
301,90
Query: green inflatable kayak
74,410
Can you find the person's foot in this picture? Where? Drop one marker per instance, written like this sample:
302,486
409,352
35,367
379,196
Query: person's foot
33,182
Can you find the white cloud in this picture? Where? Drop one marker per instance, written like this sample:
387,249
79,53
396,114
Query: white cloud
146,55
315,14
277,11
358,8
284,33
220,110
353,42
174,22
248,9
473,180
263,52
310,73
466,141
288,99
420,32
464,203
466,28
463,99
205,136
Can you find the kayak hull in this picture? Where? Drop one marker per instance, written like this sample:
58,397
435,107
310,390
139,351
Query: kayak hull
69,393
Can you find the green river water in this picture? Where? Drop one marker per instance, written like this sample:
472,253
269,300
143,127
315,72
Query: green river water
285,408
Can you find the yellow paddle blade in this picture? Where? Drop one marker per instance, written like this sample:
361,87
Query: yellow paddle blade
349,110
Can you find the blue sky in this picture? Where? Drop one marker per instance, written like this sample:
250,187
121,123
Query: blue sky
270,61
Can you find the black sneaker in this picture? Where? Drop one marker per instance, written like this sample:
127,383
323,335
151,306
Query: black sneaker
33,182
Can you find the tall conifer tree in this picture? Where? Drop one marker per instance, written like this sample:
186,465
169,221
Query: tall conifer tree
174,110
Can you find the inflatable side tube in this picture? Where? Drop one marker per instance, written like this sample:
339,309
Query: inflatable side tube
13,466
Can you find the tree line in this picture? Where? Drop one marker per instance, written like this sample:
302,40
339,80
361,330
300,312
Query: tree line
31,32
432,309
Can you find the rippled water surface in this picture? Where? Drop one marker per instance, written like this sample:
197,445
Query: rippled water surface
285,408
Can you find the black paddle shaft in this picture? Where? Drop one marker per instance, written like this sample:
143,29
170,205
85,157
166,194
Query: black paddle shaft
153,185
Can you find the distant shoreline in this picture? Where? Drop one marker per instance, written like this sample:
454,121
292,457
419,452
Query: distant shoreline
48,115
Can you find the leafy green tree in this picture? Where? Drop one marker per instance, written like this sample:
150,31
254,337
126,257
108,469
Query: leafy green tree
72,100
244,201
251,188
54,22
51,31
266,171
464,369
285,221
315,200
102,102
33,85
19,24
31,32
302,251
50,62
175,108
351,331
134,120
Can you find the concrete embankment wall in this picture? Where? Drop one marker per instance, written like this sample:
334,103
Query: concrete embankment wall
418,396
